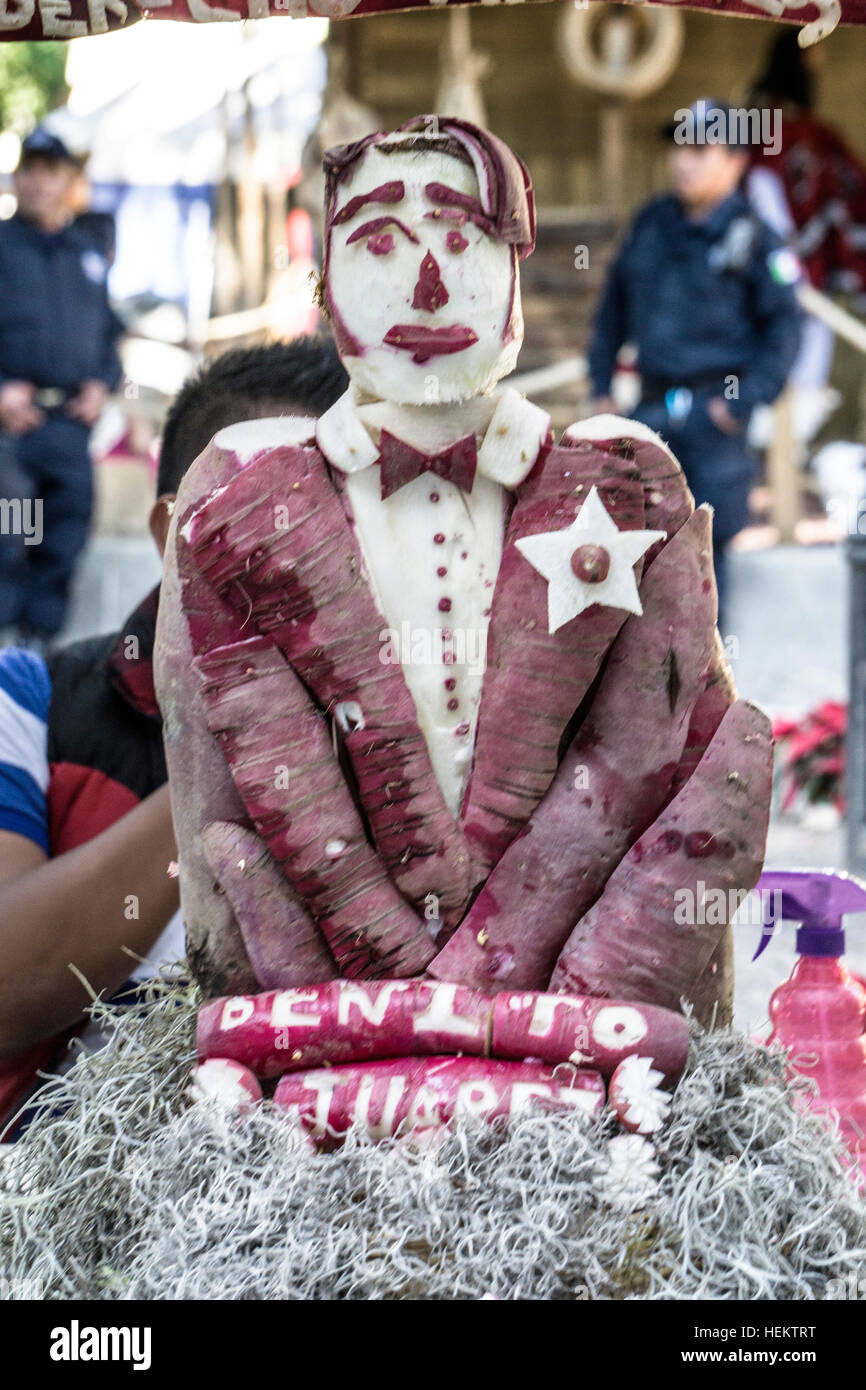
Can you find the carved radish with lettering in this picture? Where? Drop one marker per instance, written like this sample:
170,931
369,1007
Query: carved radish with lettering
293,1029
384,1098
343,1021
597,1033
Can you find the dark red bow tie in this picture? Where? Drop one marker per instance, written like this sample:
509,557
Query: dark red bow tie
400,463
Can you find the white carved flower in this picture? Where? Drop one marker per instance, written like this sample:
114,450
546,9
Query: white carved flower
627,1177
635,1097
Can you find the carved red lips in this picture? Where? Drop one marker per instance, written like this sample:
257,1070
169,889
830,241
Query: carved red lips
424,343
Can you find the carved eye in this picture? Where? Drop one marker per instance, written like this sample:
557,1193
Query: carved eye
380,243
456,242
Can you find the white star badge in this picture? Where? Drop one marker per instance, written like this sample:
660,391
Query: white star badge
551,554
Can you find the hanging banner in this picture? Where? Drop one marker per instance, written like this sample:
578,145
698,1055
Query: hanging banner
72,19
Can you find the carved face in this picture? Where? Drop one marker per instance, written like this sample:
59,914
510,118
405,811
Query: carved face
424,301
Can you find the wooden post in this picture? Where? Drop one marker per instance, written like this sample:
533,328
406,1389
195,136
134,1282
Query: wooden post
613,148
783,473
251,227
460,71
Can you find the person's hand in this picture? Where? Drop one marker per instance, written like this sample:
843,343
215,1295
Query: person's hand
87,405
718,411
18,414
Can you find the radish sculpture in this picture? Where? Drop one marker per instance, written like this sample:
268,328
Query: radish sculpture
446,714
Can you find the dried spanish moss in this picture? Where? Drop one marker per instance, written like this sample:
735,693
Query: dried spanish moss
128,1192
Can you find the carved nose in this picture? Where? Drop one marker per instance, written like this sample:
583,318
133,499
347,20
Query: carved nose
430,293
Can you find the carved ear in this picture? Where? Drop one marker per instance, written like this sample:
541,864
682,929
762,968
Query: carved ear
159,521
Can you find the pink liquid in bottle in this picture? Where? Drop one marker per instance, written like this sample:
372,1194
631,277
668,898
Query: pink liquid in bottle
820,1015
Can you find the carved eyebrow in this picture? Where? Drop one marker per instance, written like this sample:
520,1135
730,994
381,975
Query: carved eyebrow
454,215
393,192
451,197
376,224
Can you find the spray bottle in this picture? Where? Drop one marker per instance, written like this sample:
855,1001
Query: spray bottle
820,1012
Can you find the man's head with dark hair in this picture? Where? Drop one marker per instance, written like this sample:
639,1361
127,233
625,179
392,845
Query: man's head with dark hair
303,377
44,180
787,75
709,154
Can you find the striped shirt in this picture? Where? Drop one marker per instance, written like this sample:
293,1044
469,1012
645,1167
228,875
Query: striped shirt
80,747
25,698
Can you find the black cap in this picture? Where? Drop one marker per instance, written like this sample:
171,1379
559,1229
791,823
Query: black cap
710,122
42,144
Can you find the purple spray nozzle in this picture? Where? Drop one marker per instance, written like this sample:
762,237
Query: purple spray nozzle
817,899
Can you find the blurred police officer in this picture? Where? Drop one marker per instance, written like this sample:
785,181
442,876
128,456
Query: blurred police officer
58,362
706,293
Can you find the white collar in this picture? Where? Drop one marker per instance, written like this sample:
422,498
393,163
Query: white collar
510,446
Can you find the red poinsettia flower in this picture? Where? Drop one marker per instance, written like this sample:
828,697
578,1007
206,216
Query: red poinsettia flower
814,754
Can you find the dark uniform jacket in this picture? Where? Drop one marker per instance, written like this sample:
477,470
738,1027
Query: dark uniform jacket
57,328
701,301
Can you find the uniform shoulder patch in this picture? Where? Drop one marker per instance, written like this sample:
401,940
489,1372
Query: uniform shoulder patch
784,266
95,267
